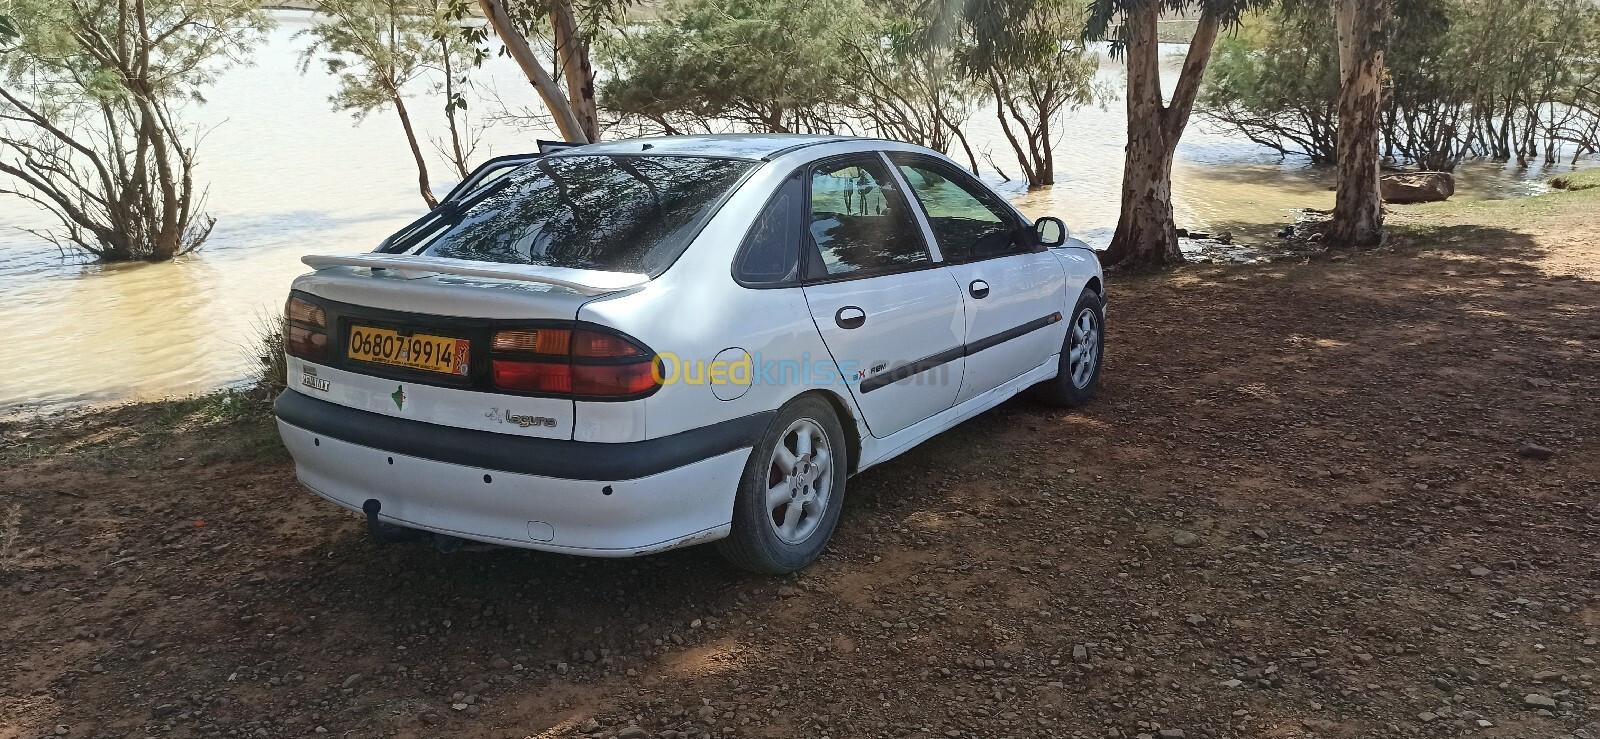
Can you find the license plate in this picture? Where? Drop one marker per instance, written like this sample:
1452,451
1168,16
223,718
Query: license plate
443,354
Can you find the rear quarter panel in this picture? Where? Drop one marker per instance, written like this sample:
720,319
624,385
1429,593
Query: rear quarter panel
693,313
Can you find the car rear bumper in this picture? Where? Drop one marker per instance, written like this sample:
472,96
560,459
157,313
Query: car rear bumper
605,500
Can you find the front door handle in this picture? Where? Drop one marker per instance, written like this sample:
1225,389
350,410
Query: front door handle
978,289
850,317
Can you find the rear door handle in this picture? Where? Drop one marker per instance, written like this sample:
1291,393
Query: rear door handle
850,317
978,289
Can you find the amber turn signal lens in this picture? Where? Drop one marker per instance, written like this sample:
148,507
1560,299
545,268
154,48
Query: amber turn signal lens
300,311
541,341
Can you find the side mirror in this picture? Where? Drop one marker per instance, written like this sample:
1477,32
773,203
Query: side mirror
1050,231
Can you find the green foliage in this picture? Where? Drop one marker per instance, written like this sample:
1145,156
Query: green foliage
62,51
1277,82
1033,77
8,30
1496,78
1105,17
769,65
90,126
374,48
912,70
1588,179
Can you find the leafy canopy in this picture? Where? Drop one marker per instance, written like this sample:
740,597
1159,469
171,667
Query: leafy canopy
765,63
375,48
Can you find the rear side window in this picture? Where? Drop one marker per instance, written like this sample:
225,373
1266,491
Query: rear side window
860,222
612,213
770,254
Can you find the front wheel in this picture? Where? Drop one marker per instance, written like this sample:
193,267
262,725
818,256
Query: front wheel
791,491
1081,354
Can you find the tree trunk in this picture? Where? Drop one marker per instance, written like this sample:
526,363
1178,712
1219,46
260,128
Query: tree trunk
576,67
566,120
458,154
1146,235
416,153
1358,204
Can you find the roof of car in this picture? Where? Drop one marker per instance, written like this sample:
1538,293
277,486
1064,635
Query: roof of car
736,145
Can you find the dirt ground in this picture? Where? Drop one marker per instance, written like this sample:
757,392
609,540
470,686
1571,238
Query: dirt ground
1310,501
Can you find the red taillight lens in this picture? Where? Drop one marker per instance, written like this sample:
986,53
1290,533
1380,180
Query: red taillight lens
303,330
612,379
586,343
305,343
526,360
532,377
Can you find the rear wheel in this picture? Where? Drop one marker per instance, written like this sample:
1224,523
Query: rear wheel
791,492
1081,354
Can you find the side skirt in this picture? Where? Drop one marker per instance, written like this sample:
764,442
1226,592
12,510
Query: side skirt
876,451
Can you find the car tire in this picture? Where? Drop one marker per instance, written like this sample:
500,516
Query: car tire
1082,354
805,480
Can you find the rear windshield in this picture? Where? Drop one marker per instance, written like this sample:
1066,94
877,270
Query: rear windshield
613,213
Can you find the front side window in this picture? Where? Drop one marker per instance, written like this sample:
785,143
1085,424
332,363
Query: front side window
967,223
860,223
612,213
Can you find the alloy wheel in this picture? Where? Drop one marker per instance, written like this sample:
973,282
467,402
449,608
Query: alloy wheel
799,481
1083,351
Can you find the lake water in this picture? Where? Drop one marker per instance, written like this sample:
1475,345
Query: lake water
288,176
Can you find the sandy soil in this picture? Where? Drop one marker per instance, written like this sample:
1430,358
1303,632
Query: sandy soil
1304,505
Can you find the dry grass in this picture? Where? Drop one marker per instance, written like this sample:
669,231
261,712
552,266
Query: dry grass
266,348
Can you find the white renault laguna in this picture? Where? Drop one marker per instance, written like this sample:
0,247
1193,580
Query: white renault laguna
627,347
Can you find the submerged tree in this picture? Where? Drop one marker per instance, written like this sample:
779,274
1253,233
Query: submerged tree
1146,234
1276,82
90,126
1502,79
1022,54
906,86
377,49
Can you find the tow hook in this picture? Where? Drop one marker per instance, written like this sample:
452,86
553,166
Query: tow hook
381,532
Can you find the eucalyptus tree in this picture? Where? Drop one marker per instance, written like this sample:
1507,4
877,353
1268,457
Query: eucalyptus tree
377,49
1146,234
1358,202
91,103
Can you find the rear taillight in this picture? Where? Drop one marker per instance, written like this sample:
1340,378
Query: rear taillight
582,362
305,330
532,377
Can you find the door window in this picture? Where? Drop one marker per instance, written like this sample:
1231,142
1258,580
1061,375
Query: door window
860,223
968,221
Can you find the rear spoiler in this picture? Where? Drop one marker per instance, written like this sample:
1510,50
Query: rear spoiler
584,281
